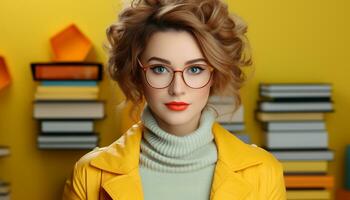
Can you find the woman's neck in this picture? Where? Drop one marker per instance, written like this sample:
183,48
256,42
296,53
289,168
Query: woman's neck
179,129
165,152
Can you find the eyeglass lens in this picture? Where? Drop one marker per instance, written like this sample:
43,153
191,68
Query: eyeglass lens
195,76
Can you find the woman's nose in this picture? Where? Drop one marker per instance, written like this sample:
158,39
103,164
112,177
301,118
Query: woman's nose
177,86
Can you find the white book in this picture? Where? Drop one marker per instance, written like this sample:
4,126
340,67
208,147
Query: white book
67,139
294,125
4,188
303,155
295,94
293,106
4,151
5,197
67,146
297,140
67,126
296,87
68,110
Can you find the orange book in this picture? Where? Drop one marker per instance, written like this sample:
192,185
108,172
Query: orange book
342,194
309,181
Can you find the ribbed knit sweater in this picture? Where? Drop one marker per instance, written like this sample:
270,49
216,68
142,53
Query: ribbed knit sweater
177,167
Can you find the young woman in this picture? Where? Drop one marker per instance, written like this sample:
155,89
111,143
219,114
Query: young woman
174,54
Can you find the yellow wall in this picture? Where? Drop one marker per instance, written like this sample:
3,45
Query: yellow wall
300,40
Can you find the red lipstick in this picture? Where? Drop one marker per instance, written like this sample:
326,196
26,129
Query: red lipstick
177,106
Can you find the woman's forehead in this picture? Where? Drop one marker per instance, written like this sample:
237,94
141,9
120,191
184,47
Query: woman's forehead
172,47
166,61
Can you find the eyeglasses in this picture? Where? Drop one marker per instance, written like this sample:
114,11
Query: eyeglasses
160,76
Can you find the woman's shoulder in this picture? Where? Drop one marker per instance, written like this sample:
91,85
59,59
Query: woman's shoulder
236,151
269,165
269,169
267,159
266,156
85,160
270,172
124,150
263,166
258,166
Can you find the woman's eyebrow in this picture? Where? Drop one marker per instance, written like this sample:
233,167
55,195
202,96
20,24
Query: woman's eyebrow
168,62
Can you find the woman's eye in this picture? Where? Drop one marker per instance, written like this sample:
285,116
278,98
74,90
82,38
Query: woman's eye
195,69
159,69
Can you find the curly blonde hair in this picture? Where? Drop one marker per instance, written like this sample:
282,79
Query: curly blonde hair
221,37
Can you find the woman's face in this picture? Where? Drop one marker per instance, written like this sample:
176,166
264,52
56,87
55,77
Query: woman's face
177,48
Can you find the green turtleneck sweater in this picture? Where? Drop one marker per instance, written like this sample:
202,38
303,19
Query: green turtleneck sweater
173,167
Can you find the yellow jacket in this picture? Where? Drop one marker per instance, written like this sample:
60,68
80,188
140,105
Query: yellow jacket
243,172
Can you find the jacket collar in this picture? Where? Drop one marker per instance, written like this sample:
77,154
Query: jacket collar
122,158
123,155
233,156
232,151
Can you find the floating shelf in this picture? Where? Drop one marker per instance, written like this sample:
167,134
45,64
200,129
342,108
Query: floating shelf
5,78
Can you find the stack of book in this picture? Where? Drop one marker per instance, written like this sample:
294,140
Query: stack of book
4,190
230,119
293,119
66,104
5,80
66,100
4,186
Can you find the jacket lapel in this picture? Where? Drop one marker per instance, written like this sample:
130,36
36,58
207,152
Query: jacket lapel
124,187
228,185
233,157
121,160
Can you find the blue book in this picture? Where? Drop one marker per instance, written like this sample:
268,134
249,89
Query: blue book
69,83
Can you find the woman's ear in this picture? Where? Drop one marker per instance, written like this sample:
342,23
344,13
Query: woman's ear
211,81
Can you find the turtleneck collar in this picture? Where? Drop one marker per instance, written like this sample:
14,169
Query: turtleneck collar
162,151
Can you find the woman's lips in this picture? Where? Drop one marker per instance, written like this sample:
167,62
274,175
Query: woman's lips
177,106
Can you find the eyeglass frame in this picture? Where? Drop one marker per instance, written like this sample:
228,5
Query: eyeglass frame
144,68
